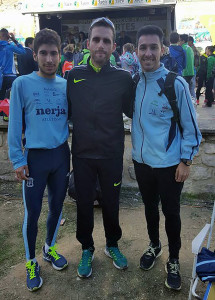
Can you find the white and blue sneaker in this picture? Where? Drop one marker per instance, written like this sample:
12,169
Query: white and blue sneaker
57,260
34,281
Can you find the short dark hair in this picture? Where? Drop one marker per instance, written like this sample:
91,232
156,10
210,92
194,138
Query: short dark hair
211,49
47,36
29,40
102,22
190,39
184,37
4,32
150,29
174,37
165,42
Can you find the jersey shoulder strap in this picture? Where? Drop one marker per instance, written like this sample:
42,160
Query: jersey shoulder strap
169,92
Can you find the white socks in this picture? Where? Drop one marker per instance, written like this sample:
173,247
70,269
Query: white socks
34,260
46,248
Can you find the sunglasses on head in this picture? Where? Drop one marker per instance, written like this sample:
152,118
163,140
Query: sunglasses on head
104,20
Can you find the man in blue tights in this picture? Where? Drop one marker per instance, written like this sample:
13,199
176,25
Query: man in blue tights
39,109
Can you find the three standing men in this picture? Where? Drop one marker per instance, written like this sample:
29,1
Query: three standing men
161,154
99,93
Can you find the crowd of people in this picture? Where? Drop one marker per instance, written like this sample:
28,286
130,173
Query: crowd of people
179,55
94,95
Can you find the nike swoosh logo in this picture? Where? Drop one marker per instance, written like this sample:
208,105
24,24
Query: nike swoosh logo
78,80
116,184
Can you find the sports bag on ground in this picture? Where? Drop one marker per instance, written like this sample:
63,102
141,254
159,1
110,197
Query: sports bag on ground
72,191
205,267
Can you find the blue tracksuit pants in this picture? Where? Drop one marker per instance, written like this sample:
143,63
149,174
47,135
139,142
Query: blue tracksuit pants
47,167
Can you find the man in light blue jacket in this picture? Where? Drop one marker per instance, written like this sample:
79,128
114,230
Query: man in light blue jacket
7,50
162,155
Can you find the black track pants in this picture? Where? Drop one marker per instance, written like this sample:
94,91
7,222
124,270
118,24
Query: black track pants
157,184
109,172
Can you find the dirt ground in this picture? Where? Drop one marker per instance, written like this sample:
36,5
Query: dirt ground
106,281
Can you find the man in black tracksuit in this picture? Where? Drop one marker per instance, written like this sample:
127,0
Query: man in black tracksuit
99,93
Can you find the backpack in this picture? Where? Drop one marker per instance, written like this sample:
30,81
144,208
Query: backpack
169,92
202,69
67,66
72,190
170,63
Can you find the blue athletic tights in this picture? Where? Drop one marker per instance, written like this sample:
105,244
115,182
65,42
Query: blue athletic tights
47,167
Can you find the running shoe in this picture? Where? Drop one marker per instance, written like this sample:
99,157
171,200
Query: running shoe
85,265
57,260
148,258
173,280
34,281
119,260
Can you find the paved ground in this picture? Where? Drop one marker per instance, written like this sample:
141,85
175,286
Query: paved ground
206,117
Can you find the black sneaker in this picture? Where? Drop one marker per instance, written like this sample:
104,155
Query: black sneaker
173,280
147,261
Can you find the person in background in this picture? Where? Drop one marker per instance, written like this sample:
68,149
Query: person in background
117,58
177,52
7,50
210,76
122,40
195,51
67,60
127,59
39,105
137,61
196,65
26,62
188,71
63,45
167,59
70,38
99,93
82,38
201,74
161,154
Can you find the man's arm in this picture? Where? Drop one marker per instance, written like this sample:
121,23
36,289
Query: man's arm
68,92
191,138
129,96
17,48
15,130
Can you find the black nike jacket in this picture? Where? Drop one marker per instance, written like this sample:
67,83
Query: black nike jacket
97,102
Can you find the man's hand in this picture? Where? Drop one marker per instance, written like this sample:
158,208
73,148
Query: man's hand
11,36
182,172
22,173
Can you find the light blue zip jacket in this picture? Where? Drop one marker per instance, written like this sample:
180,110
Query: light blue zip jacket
43,103
156,139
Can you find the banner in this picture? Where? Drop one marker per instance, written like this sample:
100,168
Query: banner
50,6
